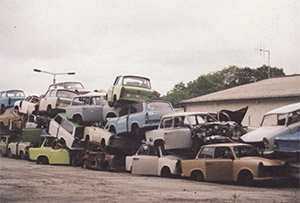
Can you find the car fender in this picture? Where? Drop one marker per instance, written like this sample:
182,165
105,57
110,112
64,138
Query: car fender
236,173
170,163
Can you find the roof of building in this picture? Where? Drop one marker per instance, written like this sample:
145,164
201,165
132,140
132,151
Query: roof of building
288,86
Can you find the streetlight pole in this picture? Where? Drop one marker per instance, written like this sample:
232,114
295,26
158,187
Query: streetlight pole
54,74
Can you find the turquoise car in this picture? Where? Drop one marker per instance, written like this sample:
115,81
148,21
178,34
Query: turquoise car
9,97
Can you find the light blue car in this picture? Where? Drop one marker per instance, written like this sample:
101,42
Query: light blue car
9,97
140,116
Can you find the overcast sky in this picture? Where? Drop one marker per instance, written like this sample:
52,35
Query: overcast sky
167,41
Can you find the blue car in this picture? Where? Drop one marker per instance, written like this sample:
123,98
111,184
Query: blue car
140,116
288,142
8,98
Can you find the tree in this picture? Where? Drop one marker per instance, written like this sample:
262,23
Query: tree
226,78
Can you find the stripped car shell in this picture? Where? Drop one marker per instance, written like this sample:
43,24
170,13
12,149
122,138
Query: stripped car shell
281,121
130,88
27,106
96,134
232,162
89,108
150,160
9,97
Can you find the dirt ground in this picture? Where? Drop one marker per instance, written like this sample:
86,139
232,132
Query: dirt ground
25,181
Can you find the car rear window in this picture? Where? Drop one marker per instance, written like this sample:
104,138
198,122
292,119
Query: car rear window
65,94
154,106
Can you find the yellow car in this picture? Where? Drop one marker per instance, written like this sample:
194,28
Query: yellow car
232,162
49,153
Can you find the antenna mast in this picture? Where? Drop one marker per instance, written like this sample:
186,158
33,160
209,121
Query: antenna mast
262,52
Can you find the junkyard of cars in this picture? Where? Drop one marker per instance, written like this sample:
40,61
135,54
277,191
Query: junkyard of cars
130,129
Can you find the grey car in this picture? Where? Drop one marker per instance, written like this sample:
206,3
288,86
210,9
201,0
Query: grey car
89,108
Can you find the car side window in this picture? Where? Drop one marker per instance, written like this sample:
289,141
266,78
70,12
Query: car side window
138,107
58,119
52,93
66,125
206,153
166,123
179,122
223,153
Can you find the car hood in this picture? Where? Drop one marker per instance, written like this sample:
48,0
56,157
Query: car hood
258,134
266,162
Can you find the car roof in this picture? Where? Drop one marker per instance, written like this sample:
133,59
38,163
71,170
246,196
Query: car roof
135,76
285,109
183,114
92,94
227,144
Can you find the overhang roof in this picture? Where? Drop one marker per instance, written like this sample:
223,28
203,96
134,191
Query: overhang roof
281,87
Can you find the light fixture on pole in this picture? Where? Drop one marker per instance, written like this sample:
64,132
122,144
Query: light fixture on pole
54,74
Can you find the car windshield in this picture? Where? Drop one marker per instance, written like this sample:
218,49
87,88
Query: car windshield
154,106
15,93
65,94
273,120
244,151
199,119
67,85
137,82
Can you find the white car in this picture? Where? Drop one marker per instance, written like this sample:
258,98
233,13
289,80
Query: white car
96,134
150,160
27,106
66,131
91,107
56,100
281,121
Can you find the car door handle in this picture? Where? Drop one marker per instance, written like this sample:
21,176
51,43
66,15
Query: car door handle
136,159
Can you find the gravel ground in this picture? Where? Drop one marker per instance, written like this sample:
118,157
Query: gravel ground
25,181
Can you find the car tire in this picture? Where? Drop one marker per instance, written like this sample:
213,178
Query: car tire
2,109
197,176
49,111
22,155
78,119
165,172
245,178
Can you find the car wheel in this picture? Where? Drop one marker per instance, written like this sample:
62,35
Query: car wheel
44,160
197,176
9,153
245,178
165,172
1,153
49,111
77,119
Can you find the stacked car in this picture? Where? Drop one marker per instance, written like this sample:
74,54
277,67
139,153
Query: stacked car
130,128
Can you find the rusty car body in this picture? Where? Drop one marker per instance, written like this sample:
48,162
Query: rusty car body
236,162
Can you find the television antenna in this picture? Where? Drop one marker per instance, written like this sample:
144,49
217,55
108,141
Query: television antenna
262,52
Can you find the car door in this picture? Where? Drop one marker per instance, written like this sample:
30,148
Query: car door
93,112
178,136
145,164
220,167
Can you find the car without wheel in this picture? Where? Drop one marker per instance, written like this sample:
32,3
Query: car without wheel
236,162
150,160
27,106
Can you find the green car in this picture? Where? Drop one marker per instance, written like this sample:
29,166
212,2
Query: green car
49,152
130,88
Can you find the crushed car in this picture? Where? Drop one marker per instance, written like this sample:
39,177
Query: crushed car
281,121
9,97
235,162
90,108
139,116
28,106
7,118
127,88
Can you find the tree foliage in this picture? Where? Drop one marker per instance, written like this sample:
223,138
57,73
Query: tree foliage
220,80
